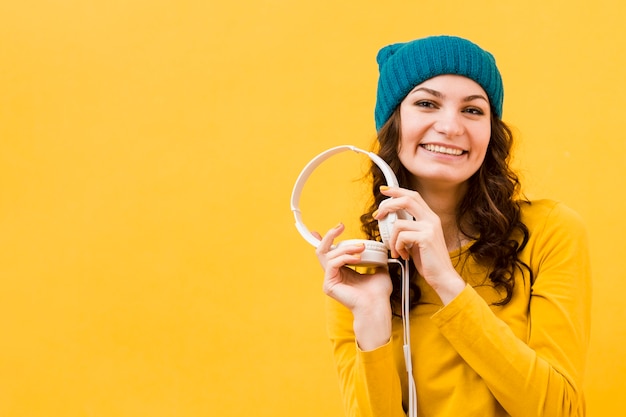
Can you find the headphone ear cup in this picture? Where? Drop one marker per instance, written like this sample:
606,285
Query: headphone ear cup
375,253
385,225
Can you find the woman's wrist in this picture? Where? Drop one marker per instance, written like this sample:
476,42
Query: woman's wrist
372,325
448,289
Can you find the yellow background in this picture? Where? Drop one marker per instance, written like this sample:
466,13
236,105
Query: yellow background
148,261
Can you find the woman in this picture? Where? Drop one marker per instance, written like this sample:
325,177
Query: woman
500,286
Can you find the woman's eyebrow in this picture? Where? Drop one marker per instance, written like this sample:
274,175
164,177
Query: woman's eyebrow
428,90
475,97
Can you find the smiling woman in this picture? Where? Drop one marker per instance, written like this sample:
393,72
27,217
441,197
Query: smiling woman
500,298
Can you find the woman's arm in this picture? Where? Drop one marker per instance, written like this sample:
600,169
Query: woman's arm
360,328
369,380
544,376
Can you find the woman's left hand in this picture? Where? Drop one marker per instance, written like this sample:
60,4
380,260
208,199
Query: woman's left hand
422,239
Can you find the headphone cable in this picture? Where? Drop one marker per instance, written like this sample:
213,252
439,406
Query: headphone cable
406,310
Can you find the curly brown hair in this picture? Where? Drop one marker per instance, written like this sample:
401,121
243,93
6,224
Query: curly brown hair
489,213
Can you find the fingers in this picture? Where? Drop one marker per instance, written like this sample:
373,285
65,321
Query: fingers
397,192
343,255
405,239
404,236
406,203
332,257
327,241
416,226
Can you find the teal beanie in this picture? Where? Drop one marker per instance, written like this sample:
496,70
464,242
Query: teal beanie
402,66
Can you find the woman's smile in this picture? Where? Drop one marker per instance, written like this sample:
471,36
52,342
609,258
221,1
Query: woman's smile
442,149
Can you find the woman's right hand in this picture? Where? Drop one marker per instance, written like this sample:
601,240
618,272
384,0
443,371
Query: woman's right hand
366,295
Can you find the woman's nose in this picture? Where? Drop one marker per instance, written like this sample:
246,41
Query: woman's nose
449,124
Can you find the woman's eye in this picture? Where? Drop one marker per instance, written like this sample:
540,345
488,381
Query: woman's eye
474,110
426,104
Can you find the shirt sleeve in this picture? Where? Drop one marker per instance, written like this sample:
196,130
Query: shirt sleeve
369,380
543,375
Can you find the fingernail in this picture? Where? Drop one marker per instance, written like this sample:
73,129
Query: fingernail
375,213
338,225
383,188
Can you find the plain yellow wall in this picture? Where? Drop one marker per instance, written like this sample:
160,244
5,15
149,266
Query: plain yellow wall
148,261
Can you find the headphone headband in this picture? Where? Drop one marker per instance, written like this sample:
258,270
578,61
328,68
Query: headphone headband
390,178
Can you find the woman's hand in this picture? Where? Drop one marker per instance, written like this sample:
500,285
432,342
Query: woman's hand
423,240
366,295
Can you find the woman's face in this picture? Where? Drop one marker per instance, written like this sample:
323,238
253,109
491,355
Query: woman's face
445,131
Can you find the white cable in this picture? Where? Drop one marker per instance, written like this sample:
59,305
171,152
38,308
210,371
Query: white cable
406,347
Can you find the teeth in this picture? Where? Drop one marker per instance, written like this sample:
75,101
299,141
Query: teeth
441,149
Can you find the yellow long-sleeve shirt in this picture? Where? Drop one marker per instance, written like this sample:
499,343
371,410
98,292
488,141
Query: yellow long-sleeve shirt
472,358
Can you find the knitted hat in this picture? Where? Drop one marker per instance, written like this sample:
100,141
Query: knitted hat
402,66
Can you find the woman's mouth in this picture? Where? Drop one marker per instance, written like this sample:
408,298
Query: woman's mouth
442,149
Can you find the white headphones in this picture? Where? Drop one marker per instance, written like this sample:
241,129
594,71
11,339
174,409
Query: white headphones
375,253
